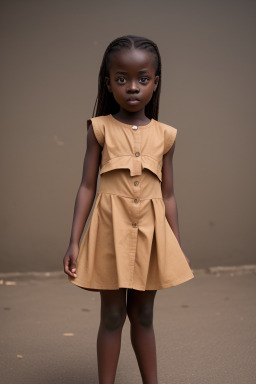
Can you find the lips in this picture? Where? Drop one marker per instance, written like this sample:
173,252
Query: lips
133,98
133,101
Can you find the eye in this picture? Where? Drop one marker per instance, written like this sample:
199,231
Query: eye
144,79
122,80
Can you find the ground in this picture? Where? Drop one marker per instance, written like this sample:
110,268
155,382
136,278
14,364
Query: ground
205,331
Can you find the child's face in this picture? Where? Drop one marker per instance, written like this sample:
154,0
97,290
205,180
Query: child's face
132,76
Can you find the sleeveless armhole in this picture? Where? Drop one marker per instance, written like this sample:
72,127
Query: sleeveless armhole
170,134
98,129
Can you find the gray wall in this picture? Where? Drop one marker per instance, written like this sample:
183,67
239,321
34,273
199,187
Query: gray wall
51,54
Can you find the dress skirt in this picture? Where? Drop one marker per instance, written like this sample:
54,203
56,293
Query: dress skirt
129,242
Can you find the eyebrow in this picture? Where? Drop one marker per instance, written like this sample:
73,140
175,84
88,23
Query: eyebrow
125,73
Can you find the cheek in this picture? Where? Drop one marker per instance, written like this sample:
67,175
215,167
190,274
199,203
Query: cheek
118,95
118,90
150,90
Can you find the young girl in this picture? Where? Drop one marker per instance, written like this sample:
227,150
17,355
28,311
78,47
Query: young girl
131,247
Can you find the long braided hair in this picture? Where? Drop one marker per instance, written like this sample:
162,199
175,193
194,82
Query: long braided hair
105,103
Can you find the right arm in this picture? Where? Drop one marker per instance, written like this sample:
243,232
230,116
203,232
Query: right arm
84,200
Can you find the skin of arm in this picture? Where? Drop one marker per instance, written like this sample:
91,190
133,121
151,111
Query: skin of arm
171,210
84,200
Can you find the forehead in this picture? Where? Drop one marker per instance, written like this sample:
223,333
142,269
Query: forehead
131,60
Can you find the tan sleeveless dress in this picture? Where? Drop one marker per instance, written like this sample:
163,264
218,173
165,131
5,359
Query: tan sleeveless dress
129,242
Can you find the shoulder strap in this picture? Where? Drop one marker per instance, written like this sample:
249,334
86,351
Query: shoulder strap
170,134
98,128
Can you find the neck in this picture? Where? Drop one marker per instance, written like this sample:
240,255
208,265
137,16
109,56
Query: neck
135,118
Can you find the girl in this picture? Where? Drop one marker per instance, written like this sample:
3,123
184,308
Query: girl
132,246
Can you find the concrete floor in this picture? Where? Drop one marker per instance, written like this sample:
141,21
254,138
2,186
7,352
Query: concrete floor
205,331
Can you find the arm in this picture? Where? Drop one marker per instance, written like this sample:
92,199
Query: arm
171,210
84,200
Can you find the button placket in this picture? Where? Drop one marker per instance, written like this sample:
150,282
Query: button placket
135,206
137,152
137,171
136,187
135,209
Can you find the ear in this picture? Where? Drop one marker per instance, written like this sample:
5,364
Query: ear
156,83
107,81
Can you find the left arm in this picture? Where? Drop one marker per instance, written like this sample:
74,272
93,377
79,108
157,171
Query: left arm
171,210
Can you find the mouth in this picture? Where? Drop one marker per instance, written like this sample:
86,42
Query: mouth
133,101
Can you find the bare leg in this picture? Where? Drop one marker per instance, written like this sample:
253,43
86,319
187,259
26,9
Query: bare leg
140,312
113,315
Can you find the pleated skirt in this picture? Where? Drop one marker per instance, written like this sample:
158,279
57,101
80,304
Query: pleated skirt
128,242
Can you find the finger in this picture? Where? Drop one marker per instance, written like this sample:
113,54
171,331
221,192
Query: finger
73,269
67,270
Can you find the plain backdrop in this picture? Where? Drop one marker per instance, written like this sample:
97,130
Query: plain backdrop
51,53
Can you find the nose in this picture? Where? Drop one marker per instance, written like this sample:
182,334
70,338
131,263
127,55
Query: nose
133,86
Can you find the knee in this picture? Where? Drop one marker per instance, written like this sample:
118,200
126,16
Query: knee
145,317
113,319
142,316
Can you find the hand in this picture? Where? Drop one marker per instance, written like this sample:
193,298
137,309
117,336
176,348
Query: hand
189,263
69,260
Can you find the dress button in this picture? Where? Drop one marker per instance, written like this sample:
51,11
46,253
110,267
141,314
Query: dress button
136,183
137,154
135,200
134,127
134,224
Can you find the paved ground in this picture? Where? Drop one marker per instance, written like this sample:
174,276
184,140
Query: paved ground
205,331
